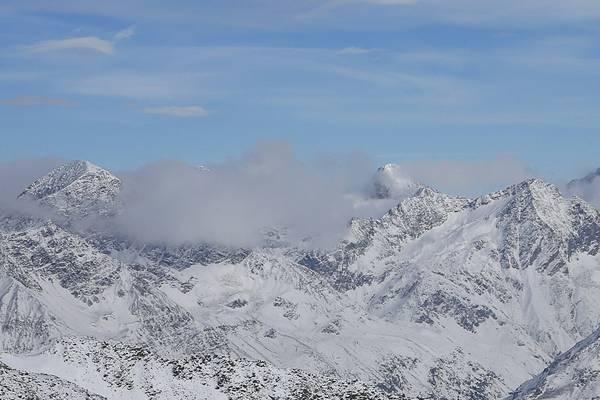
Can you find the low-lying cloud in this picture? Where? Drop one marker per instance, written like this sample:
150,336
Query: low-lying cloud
588,188
16,176
238,202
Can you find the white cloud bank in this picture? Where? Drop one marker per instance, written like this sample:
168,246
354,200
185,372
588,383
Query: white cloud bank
16,175
233,202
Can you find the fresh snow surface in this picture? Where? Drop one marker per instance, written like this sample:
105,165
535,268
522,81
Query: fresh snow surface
117,371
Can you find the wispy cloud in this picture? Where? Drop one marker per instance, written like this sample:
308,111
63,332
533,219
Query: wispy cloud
588,188
125,33
176,111
356,51
30,101
140,84
90,43
387,2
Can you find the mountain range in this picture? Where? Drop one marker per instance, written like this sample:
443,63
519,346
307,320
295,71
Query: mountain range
441,297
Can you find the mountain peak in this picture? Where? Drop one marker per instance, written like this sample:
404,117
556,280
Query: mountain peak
75,188
391,181
539,183
532,188
60,178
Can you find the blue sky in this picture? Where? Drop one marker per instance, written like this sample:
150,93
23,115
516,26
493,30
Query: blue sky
125,82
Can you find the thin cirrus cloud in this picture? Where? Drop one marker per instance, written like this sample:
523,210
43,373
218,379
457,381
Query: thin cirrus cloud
125,34
89,43
388,2
31,101
355,51
178,111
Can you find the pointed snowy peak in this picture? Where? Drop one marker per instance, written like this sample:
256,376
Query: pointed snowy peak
541,227
533,195
537,188
537,199
391,182
411,218
76,189
60,178
424,210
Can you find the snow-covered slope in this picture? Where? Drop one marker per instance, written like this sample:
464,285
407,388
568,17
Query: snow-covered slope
441,297
574,374
17,385
510,278
118,371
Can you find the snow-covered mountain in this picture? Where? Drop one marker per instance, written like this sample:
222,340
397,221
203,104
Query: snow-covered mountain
78,189
441,297
574,374
390,181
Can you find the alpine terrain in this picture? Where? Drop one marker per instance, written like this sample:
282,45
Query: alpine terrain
441,297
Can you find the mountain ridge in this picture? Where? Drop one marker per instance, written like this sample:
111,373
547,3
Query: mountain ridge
441,297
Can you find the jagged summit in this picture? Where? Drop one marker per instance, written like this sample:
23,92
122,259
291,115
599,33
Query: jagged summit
391,182
525,188
59,178
79,188
535,187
